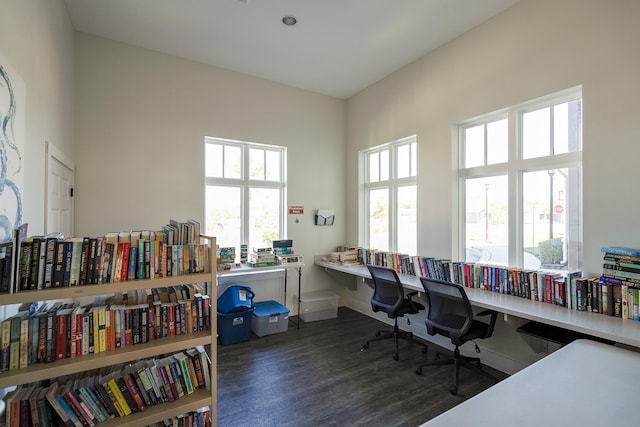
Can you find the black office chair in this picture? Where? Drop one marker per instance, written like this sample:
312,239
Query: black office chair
449,314
388,297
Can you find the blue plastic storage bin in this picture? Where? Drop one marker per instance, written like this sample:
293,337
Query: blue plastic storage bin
269,317
234,327
235,298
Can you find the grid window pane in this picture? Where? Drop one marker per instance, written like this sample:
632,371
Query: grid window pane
487,220
256,164
264,216
407,219
384,165
232,162
497,142
213,160
474,146
223,214
536,134
404,161
379,219
273,165
374,167
545,215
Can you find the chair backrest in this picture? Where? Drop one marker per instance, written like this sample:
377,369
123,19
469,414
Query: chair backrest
388,292
449,311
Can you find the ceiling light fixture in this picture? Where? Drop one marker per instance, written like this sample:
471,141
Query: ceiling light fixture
289,20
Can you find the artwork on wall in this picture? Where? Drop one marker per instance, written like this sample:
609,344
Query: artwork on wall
12,112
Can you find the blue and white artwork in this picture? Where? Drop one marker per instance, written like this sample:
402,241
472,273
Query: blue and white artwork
12,113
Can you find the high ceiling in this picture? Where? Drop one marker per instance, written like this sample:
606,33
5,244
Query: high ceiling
337,47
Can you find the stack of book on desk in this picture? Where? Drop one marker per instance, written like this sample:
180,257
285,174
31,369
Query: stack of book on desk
262,257
283,250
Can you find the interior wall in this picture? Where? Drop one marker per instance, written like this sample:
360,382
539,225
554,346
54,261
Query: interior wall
534,48
142,117
36,41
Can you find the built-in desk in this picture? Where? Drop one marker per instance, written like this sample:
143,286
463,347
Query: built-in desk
623,331
585,383
243,270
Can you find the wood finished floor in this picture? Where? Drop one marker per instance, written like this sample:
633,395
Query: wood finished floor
317,376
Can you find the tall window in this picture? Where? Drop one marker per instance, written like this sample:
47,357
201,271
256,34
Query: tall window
389,195
521,185
244,192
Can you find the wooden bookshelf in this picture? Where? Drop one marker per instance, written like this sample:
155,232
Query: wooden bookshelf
157,347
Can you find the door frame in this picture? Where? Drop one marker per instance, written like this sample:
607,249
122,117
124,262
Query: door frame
52,154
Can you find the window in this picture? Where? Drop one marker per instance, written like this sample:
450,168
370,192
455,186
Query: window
389,196
520,186
244,192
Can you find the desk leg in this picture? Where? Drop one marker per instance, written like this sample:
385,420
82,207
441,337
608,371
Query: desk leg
299,287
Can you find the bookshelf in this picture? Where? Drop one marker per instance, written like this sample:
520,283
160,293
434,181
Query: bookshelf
131,353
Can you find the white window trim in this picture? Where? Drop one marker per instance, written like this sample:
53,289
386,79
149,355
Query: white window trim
514,169
392,184
245,182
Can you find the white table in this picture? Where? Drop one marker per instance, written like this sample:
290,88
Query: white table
585,384
598,325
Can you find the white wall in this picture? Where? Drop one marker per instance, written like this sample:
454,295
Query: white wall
535,48
36,40
141,121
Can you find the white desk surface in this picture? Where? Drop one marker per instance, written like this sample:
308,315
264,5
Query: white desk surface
243,269
585,384
624,331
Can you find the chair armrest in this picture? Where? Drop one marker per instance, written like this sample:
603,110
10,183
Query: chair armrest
492,321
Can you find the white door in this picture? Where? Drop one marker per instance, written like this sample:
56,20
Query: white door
59,205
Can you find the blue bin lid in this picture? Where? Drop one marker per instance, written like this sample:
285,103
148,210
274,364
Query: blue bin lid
269,308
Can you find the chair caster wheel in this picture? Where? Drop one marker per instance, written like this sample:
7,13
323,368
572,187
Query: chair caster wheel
453,390
419,371
364,347
396,357
378,334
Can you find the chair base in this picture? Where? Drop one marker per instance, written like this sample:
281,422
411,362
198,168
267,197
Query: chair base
396,334
457,360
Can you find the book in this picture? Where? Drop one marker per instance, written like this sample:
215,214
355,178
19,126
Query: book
124,408
181,360
4,344
52,397
134,391
619,250
76,258
50,261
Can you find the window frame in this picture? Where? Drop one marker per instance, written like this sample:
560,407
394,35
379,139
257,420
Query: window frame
392,184
515,168
245,183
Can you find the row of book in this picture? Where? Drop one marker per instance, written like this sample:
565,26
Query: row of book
46,334
112,392
614,293
52,261
200,418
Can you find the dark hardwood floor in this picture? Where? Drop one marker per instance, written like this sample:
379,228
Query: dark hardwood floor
317,376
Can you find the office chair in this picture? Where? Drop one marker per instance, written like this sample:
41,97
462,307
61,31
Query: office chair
388,297
449,314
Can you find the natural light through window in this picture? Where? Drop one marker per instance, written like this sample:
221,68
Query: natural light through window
524,211
245,193
390,194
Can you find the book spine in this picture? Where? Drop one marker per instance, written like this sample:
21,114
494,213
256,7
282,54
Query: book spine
35,263
119,398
